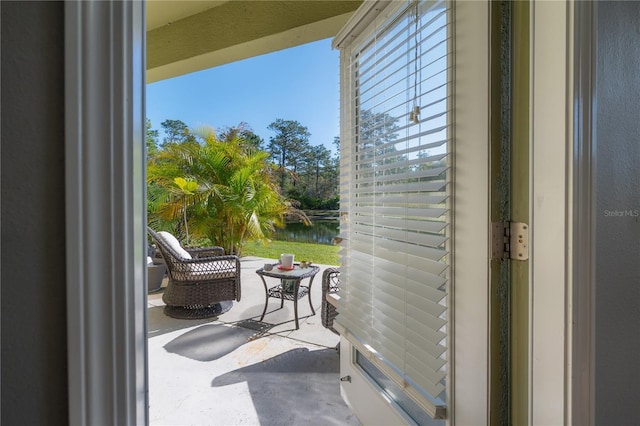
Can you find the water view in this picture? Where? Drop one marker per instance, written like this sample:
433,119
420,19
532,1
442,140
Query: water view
321,232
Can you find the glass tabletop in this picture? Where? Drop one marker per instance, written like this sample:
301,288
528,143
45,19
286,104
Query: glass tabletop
296,272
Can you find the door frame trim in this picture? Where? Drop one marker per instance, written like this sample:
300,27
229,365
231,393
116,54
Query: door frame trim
582,398
105,212
468,398
550,210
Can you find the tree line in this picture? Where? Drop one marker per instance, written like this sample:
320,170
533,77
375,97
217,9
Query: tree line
231,186
307,175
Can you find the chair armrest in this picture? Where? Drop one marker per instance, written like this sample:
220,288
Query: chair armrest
329,280
228,264
333,299
212,259
198,253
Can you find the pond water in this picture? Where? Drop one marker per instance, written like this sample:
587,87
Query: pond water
321,232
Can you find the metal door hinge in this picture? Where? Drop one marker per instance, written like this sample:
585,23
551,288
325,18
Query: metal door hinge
510,240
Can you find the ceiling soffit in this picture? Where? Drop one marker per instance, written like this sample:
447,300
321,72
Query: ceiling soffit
233,30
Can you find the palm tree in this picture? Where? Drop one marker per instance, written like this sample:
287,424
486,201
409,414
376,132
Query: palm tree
236,199
186,187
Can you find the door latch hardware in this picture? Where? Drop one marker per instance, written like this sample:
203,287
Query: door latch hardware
345,379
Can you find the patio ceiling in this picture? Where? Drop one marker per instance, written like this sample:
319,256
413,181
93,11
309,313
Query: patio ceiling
188,36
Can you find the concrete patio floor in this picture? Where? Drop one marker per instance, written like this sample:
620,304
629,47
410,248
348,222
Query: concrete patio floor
220,372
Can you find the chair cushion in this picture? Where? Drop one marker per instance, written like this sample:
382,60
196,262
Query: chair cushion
173,242
212,269
210,275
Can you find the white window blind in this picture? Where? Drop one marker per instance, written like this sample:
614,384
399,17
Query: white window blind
395,194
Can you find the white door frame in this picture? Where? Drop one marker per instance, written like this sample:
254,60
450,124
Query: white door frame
105,166
469,393
105,212
550,213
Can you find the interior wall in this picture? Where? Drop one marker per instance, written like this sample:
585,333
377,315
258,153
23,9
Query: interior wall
617,159
34,354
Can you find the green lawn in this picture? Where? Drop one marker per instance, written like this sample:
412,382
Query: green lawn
317,253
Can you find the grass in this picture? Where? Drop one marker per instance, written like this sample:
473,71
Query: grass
317,253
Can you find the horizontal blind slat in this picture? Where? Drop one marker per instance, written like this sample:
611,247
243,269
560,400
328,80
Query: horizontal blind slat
418,224
399,211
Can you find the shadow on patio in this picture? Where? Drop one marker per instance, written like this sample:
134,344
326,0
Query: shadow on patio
234,370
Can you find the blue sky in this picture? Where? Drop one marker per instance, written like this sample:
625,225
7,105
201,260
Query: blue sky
301,83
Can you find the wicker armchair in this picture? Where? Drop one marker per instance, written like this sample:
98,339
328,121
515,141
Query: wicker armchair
199,279
330,279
